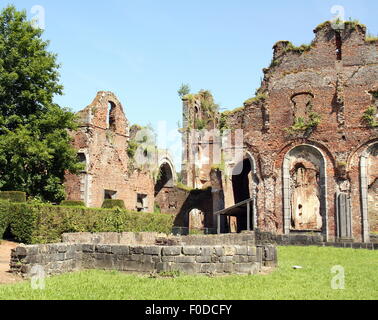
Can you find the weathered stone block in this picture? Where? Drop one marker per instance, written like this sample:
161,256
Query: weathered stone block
245,268
219,251
153,250
240,259
251,251
137,250
172,251
103,248
168,258
88,248
229,250
259,254
241,250
188,268
62,248
164,267
191,251
207,251
208,268
120,249
203,259
226,259
185,259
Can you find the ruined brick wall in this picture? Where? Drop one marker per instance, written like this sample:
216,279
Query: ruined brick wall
102,142
336,79
180,203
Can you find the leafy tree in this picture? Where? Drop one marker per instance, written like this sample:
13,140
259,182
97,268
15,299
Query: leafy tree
184,90
35,150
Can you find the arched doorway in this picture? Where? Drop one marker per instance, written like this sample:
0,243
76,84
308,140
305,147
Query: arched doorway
165,178
304,190
369,191
244,185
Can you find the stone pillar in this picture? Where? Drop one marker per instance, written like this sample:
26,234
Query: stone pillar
344,217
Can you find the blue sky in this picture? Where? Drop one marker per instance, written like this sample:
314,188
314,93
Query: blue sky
143,50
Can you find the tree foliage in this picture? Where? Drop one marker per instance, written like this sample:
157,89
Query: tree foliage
35,150
184,90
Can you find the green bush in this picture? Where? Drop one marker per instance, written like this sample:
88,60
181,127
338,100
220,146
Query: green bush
72,203
113,203
39,223
13,196
4,217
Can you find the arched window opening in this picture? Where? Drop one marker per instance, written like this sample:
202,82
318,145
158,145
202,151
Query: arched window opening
165,178
82,158
111,118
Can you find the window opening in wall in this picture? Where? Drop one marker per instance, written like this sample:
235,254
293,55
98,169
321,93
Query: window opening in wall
111,116
83,160
339,46
110,195
142,205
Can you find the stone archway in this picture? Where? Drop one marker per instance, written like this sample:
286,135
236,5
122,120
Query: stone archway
369,191
165,178
304,190
166,175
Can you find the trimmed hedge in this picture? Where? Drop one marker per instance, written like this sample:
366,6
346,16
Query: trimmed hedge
113,203
13,196
41,224
72,203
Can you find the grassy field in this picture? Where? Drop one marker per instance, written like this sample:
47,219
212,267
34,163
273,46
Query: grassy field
313,282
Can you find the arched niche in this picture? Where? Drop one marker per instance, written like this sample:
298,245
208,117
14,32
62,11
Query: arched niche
197,220
369,191
304,190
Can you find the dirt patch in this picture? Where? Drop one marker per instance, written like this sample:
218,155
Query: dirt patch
5,255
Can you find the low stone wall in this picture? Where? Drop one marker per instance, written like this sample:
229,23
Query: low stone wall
54,258
126,238
256,238
147,238
245,239
263,238
63,258
290,239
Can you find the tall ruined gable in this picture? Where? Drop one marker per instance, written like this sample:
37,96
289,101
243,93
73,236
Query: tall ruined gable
105,112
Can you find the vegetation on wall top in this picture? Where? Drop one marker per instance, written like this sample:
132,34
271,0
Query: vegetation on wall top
351,24
184,90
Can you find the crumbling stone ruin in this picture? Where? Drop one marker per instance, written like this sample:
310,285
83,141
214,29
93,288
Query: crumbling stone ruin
103,141
309,142
301,156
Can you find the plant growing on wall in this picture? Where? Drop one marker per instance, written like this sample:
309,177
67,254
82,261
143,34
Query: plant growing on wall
303,125
369,117
184,90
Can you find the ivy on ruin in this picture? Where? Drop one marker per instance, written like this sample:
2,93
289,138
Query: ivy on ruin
301,125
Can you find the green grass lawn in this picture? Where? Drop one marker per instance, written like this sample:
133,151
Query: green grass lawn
312,282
